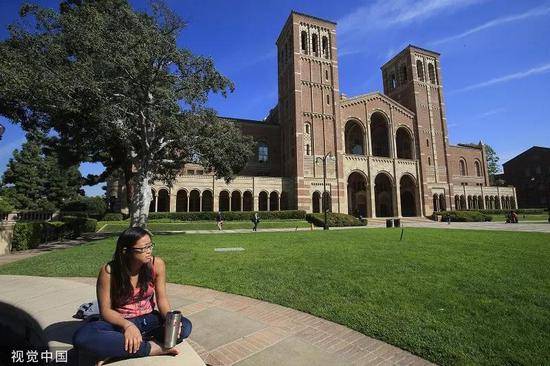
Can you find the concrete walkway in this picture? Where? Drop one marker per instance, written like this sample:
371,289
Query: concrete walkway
227,329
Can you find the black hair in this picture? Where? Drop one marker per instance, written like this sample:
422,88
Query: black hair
121,288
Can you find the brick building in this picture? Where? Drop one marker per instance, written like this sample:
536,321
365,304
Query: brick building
389,153
530,173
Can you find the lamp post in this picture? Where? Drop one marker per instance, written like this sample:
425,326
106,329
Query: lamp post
325,197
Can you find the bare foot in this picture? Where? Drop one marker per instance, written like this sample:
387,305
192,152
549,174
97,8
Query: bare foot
157,350
100,363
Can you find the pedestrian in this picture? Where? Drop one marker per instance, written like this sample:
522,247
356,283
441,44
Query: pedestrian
127,288
219,220
255,221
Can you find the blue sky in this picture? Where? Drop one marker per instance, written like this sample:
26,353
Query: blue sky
495,58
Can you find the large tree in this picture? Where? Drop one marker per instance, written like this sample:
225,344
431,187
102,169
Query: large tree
34,179
116,88
493,166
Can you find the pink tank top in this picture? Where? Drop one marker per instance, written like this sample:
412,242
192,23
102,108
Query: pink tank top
140,305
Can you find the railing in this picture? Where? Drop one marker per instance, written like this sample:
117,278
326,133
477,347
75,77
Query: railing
26,216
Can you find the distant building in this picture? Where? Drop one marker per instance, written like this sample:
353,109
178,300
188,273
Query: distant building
392,155
529,172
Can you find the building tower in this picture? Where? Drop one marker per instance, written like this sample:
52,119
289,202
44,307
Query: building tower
413,78
308,108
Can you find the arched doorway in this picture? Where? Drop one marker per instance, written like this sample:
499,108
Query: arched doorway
163,201
435,202
284,201
316,202
355,138
181,201
262,201
194,201
236,201
403,143
379,135
357,195
457,202
383,195
248,203
274,201
207,201
462,202
407,187
152,205
224,201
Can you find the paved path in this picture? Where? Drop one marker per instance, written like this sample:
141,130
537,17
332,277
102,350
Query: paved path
227,329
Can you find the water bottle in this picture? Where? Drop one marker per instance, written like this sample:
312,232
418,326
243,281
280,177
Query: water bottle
171,328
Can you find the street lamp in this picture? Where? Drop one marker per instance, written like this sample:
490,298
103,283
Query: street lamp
325,197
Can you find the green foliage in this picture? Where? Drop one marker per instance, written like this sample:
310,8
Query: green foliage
228,216
493,166
525,211
116,88
36,181
5,206
27,235
465,216
112,216
334,220
92,206
75,226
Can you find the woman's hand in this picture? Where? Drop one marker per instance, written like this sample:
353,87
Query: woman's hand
132,338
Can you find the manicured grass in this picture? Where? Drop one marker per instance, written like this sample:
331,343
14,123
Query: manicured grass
450,296
202,225
522,218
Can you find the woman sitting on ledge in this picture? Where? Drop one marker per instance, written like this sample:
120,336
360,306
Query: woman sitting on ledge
130,326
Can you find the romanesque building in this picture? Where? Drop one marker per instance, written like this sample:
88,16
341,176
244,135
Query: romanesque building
387,154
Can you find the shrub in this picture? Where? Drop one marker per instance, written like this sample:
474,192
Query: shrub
464,216
27,235
5,206
334,220
228,216
93,206
111,216
75,226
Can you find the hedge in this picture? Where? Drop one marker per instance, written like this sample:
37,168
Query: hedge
334,220
524,211
464,216
112,216
28,235
229,215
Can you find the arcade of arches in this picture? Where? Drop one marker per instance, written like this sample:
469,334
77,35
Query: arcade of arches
386,200
197,201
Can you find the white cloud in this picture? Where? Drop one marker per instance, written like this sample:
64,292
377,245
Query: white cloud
489,113
516,76
496,22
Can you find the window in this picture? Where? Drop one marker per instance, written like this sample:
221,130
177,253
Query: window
429,161
420,70
324,45
304,42
314,45
308,151
191,172
326,74
328,99
463,170
393,81
427,143
263,154
431,73
308,129
478,169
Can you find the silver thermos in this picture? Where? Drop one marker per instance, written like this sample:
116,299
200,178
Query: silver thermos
171,328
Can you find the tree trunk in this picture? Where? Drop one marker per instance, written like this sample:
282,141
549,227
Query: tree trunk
141,198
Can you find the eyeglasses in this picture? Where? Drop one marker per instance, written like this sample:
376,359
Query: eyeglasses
143,249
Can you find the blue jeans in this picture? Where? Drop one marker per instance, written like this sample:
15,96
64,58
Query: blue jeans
104,340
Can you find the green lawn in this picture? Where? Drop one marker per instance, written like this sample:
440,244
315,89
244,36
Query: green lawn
202,225
450,296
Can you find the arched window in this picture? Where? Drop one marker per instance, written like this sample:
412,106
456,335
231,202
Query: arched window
304,42
314,44
307,128
478,168
463,169
431,73
429,161
308,150
420,70
326,75
379,135
355,138
403,141
393,81
324,45
263,152
328,99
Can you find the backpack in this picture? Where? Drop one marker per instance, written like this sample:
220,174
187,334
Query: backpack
88,311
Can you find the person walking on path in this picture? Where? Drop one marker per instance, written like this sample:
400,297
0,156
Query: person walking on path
255,221
219,220
126,289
